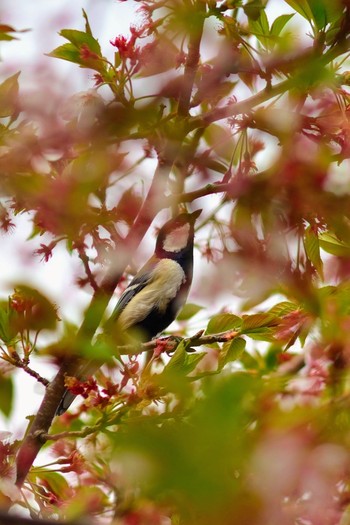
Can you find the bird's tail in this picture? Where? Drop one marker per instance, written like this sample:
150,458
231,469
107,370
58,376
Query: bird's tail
66,401
83,373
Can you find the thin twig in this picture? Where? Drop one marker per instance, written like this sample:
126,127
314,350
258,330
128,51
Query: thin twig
85,260
171,342
16,361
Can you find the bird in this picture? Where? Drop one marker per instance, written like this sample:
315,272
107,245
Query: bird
154,297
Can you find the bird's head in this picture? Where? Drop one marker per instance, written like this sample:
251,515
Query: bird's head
176,236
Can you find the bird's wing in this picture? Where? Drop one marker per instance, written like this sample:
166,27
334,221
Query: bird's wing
141,279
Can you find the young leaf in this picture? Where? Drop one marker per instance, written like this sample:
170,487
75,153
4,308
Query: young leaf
279,23
325,12
331,244
260,28
312,249
188,311
178,358
192,361
222,322
263,334
67,52
231,351
87,23
79,38
8,96
283,308
6,395
55,482
7,315
83,49
252,322
182,361
302,7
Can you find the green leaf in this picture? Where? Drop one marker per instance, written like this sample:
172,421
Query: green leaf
84,498
8,96
260,28
6,395
325,11
231,351
87,23
331,244
249,362
83,49
252,322
181,361
6,29
188,311
260,327
302,7
79,38
5,332
312,249
55,482
283,308
279,23
7,37
321,12
67,52
192,361
264,333
222,322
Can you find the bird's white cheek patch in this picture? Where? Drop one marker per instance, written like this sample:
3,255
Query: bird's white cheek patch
177,239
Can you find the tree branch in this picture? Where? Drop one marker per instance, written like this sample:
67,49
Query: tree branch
42,422
152,205
196,21
85,260
299,64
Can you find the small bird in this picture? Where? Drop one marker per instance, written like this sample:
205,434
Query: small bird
155,295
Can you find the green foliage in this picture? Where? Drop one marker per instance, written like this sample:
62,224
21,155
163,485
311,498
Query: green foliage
9,96
189,311
312,249
83,49
320,13
268,36
231,351
223,322
6,395
223,102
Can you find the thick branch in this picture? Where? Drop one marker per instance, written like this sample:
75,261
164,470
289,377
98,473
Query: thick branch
196,20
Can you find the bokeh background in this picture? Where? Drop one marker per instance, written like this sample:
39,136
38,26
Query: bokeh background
46,83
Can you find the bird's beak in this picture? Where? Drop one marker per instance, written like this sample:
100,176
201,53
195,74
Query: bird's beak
196,214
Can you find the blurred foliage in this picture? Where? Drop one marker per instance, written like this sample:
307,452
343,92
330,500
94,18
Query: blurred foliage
247,421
